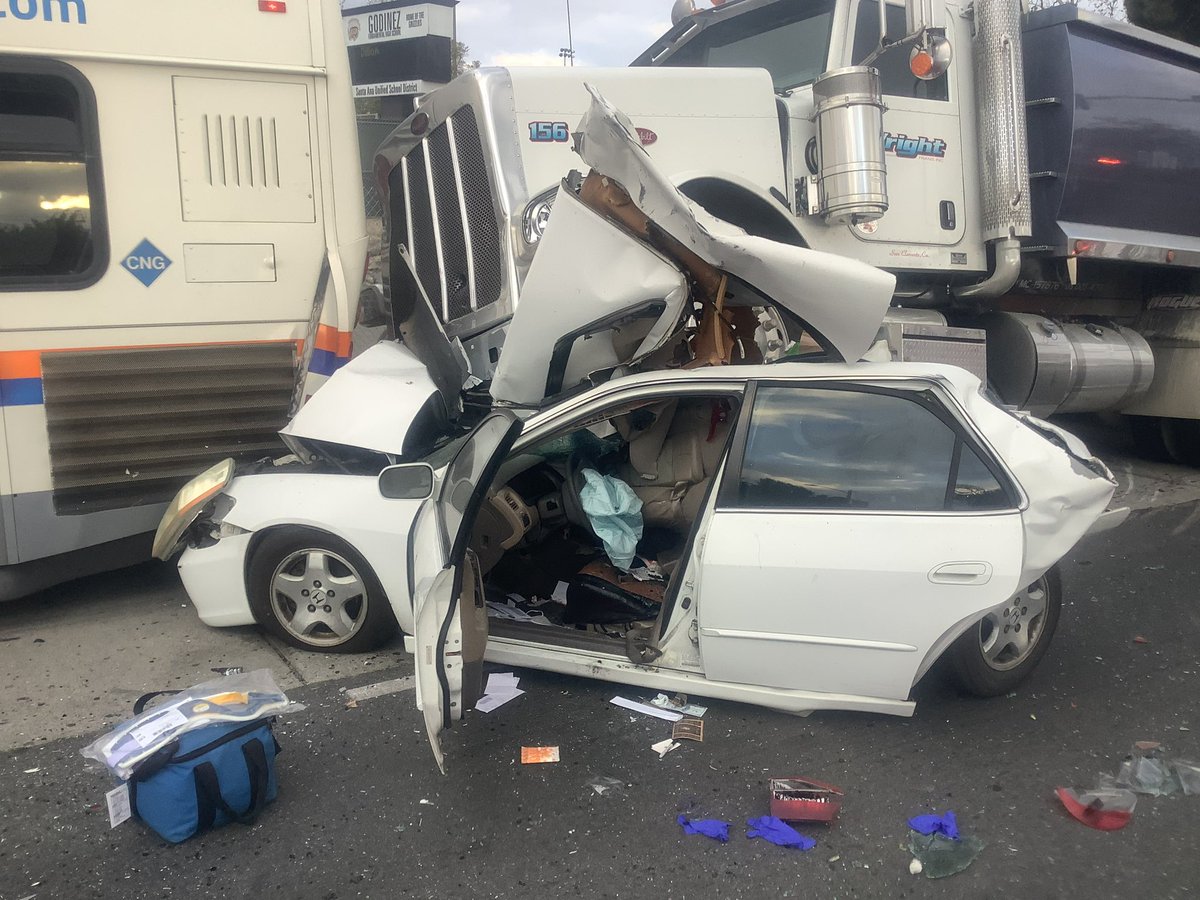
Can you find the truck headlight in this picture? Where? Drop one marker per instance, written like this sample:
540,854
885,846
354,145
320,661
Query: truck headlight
537,214
187,505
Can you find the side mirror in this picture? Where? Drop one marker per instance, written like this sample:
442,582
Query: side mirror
412,481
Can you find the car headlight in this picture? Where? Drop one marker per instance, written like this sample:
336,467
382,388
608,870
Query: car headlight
187,505
537,214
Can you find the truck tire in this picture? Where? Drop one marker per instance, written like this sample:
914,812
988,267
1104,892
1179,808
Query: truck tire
316,592
1182,440
996,655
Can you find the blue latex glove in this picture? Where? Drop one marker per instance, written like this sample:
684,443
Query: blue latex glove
778,832
711,828
935,824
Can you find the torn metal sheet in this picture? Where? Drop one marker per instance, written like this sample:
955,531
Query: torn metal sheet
596,297
841,299
1067,488
372,402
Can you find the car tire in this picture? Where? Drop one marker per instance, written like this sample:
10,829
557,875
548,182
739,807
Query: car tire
316,592
988,661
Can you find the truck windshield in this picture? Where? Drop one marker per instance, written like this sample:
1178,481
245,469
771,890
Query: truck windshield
790,39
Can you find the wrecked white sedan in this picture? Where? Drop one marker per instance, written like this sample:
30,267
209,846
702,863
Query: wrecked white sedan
643,497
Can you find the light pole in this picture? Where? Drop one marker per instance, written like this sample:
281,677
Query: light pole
570,39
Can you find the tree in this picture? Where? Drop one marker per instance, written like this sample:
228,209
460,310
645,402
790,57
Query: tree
459,62
1175,18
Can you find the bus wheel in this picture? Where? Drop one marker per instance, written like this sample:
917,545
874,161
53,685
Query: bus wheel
316,592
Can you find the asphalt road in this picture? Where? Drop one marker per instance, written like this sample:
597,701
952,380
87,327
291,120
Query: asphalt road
363,811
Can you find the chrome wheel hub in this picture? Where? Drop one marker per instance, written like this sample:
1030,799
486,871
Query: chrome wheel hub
1008,635
318,597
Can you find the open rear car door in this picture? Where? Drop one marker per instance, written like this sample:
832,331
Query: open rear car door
450,616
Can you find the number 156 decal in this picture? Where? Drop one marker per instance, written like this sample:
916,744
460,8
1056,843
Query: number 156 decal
549,132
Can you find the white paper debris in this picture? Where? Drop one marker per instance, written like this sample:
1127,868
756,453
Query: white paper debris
560,593
488,702
119,809
662,748
646,709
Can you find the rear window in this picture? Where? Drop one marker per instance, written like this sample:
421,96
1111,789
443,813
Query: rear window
51,228
818,449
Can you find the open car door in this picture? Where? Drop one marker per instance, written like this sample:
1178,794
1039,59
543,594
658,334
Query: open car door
450,616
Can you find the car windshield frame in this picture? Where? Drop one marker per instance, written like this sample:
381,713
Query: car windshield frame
761,37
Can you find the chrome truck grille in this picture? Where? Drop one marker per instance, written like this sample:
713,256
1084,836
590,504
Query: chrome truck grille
444,215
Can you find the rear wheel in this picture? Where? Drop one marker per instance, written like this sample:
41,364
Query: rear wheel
1182,440
996,655
317,592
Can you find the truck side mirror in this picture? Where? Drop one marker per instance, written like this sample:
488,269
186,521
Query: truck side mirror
411,481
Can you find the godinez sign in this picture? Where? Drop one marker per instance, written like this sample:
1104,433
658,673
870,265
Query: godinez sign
388,22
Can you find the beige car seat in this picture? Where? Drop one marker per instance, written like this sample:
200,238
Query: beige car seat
673,457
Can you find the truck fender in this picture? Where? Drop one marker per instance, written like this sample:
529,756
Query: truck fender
742,203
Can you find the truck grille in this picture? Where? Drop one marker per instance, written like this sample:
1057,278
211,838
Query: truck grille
129,427
442,211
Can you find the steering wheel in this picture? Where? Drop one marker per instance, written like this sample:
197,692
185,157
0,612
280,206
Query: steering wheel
572,485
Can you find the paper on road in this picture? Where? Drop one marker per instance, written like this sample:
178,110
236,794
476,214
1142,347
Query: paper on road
647,709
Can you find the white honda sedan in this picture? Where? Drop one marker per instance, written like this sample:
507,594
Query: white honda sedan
640,498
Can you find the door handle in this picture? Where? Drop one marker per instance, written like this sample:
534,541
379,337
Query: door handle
961,573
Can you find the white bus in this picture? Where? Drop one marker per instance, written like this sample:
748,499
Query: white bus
182,244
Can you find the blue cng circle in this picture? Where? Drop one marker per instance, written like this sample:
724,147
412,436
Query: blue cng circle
146,263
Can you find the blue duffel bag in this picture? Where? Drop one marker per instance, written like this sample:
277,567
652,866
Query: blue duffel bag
207,778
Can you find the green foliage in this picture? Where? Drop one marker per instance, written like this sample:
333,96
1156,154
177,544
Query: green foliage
459,58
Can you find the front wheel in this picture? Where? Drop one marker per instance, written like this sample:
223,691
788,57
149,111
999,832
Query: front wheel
317,592
996,655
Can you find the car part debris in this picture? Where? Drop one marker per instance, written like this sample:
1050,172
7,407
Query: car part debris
941,856
381,688
688,730
1105,809
804,800
530,755
778,832
710,828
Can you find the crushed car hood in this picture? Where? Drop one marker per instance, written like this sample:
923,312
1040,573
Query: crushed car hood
382,400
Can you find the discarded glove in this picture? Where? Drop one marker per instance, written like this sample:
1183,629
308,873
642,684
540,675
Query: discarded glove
935,824
710,828
778,832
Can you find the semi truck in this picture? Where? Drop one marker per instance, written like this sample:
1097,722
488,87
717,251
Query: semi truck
1032,178
182,245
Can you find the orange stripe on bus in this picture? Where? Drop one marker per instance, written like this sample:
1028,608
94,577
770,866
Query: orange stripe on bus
333,341
21,364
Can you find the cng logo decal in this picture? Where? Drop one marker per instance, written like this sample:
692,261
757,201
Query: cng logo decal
146,263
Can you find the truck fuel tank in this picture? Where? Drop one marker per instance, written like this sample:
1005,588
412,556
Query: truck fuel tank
1045,366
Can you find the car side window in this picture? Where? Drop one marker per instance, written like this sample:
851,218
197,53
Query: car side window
819,448
51,210
895,78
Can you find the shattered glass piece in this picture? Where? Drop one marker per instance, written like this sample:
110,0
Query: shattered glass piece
710,828
1188,776
778,833
604,784
941,856
935,824
1148,775
1105,809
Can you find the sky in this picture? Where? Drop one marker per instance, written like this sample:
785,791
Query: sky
530,32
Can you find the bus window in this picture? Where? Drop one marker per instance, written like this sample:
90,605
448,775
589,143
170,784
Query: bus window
894,75
51,224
